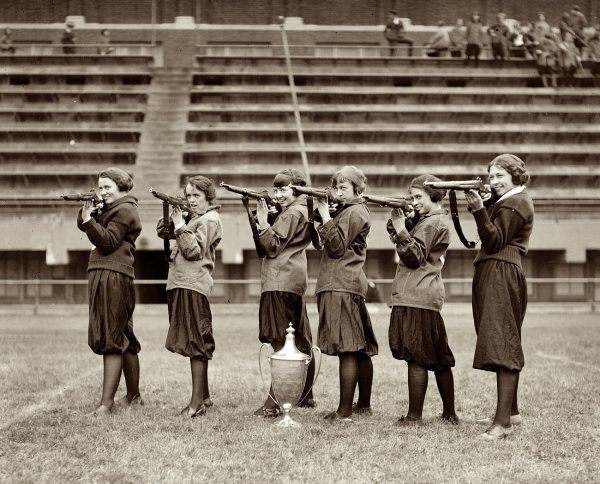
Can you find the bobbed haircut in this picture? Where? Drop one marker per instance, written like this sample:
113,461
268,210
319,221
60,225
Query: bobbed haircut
203,184
352,175
122,179
289,176
514,166
436,194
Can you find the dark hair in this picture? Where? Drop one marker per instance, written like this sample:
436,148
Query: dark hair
350,174
122,179
393,12
203,184
289,176
514,166
436,194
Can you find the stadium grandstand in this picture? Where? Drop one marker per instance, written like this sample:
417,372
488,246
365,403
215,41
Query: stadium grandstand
201,87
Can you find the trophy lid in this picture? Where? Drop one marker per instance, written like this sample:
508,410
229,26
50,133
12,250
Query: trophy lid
289,350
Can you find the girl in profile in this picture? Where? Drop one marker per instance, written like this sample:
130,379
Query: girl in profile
113,232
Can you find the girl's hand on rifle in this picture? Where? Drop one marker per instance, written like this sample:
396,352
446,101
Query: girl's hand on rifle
485,196
323,209
177,216
474,200
262,214
88,209
398,220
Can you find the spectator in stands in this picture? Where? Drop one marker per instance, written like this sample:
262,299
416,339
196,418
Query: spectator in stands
189,284
68,39
504,224
547,59
395,33
104,41
439,43
541,27
498,33
594,46
457,39
6,42
474,38
283,277
113,230
522,41
578,22
530,42
568,59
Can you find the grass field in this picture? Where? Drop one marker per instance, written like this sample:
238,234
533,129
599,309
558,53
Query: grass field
50,380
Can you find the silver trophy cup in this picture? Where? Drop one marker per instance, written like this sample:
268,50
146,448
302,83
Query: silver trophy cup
289,368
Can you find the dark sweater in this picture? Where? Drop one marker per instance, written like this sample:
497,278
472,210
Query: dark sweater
504,229
113,234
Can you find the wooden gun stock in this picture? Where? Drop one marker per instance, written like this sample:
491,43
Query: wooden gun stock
83,197
463,185
401,203
175,201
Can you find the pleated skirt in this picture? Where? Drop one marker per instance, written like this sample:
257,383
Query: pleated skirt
499,303
190,324
419,335
277,309
344,324
111,303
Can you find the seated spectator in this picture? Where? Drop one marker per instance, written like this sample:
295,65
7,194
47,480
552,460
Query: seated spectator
547,59
498,33
457,39
104,47
577,22
6,43
568,59
522,42
594,46
474,38
395,33
68,39
439,43
541,28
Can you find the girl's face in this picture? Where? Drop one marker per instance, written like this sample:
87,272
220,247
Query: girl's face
500,180
109,191
344,191
422,202
196,199
284,196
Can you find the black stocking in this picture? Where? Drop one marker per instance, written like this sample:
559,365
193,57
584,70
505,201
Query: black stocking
198,375
113,365
205,390
515,404
348,381
310,376
445,384
131,370
417,388
506,382
365,380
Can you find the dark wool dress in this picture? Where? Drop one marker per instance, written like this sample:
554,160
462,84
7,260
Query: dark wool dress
111,304
344,324
499,304
419,335
276,311
190,324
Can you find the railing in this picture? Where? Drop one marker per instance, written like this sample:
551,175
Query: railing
590,285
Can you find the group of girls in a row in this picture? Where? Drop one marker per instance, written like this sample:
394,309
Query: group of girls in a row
416,332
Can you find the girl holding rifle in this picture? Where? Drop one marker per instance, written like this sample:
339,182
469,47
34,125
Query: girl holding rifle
284,277
499,286
345,327
189,283
417,333
111,293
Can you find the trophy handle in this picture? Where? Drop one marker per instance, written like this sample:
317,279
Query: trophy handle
317,368
266,386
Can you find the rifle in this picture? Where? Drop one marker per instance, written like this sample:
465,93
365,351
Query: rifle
402,203
83,197
246,192
322,193
170,200
463,185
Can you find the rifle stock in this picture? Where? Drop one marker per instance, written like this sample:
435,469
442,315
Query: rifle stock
402,203
246,192
175,201
464,185
322,193
83,197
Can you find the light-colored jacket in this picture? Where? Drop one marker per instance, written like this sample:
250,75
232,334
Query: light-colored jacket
418,280
285,267
193,257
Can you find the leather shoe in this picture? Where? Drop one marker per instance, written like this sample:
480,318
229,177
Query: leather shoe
336,417
268,412
514,420
408,420
361,410
101,411
496,432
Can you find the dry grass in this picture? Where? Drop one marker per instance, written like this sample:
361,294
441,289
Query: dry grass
49,380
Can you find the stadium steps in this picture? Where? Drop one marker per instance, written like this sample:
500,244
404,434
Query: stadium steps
159,158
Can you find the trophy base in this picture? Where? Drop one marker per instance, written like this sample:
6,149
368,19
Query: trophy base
287,420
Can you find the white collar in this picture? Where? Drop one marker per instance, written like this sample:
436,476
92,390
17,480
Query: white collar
511,192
